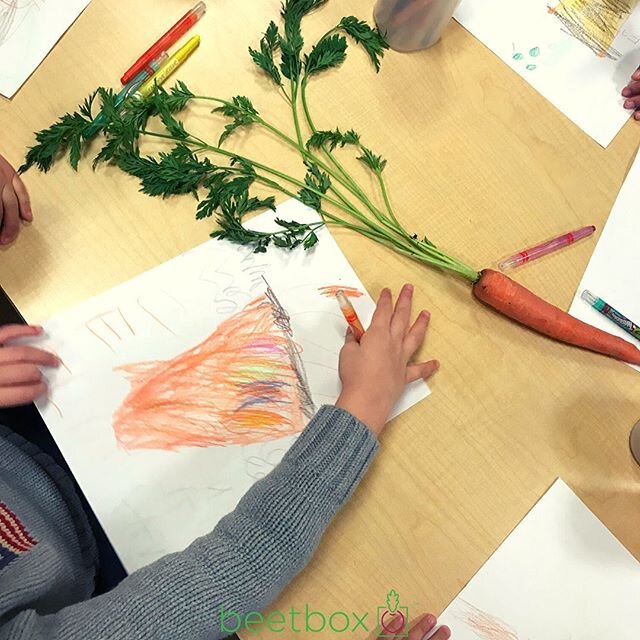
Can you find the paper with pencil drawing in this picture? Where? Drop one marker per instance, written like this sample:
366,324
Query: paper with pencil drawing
184,385
579,54
561,574
29,29
612,273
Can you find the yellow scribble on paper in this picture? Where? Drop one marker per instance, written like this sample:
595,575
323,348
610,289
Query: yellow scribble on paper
595,23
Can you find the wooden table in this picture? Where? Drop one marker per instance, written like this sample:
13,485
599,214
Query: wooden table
480,162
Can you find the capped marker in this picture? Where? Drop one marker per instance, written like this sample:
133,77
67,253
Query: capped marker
165,42
175,61
545,248
613,314
350,314
126,91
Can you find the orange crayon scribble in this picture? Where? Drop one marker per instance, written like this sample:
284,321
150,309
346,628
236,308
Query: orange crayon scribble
486,626
244,384
350,292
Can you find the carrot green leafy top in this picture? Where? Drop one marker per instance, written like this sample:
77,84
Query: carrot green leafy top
222,180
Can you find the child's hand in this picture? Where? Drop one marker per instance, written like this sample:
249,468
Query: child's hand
14,203
20,378
375,371
421,629
632,94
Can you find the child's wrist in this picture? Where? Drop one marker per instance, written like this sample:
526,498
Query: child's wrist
372,414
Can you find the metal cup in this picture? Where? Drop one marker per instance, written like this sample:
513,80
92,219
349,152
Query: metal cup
634,442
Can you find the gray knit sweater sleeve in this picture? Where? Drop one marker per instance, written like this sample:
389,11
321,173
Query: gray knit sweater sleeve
241,566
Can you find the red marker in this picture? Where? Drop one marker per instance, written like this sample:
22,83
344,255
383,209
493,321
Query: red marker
143,63
533,253
350,315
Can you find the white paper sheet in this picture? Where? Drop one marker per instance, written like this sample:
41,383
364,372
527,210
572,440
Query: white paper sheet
612,273
29,29
534,43
560,575
155,501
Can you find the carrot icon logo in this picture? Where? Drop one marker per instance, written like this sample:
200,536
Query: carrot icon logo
393,618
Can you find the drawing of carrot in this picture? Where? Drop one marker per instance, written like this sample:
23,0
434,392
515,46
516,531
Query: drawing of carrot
244,384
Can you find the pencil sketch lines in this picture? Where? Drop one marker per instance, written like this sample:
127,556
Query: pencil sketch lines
154,317
103,327
12,14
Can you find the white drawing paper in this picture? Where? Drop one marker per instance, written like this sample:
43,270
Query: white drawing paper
147,450
612,272
561,574
535,43
29,29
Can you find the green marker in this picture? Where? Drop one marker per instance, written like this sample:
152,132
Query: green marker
615,316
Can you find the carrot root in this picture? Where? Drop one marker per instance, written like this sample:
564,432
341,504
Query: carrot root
513,300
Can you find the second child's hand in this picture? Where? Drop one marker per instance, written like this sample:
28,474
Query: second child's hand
632,94
424,627
21,379
14,203
375,371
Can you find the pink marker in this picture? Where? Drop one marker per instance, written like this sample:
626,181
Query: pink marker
545,248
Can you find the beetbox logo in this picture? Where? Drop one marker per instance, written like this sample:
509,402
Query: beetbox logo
393,619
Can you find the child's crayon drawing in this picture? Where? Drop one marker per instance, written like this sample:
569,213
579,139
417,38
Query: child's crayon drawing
486,626
187,384
528,58
595,23
350,292
578,54
244,384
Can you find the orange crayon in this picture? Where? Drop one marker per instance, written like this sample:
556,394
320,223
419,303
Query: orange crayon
350,314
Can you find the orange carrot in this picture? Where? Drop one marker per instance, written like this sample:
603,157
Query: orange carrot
518,303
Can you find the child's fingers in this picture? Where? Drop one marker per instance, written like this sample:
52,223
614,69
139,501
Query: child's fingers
384,308
422,370
394,628
23,198
16,396
416,334
632,103
29,355
11,216
20,374
636,115
443,633
636,74
402,312
632,89
12,331
349,336
422,627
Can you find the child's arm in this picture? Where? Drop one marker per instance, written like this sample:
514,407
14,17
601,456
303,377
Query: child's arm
632,94
14,203
200,593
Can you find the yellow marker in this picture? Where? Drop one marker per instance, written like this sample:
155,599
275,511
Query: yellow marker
177,59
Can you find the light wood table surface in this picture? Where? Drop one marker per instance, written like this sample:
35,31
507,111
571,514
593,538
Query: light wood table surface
478,161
